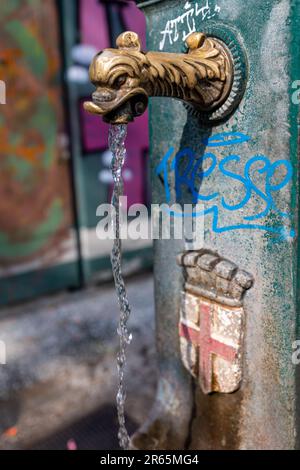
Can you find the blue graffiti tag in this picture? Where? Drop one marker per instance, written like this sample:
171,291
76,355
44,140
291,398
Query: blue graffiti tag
255,166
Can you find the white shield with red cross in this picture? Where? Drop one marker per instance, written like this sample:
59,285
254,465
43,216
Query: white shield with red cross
211,336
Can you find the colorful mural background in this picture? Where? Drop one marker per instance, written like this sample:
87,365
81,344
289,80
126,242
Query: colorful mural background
54,163
35,208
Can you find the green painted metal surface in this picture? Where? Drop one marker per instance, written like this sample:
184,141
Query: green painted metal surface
27,285
259,237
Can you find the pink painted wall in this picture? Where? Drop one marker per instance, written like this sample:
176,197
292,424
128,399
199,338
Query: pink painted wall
94,31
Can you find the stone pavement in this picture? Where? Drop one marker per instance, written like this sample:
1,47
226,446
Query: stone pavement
61,365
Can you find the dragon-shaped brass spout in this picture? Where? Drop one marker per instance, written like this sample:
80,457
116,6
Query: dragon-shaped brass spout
125,77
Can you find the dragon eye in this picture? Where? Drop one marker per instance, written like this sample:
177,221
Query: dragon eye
120,80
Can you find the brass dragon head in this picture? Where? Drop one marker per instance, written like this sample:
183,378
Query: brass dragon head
117,74
125,77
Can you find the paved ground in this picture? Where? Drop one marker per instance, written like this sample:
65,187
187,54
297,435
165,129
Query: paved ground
60,378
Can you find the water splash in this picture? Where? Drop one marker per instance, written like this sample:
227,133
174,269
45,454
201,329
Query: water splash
117,136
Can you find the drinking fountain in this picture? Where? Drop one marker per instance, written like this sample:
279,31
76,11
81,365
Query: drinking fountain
227,318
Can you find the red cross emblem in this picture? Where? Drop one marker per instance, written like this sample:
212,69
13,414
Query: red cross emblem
207,346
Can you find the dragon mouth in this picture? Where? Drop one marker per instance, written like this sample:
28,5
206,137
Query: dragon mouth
122,109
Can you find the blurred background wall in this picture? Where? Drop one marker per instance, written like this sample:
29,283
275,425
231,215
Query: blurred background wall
54,162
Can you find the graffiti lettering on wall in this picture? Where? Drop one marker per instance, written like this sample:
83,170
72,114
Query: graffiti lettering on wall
247,195
203,10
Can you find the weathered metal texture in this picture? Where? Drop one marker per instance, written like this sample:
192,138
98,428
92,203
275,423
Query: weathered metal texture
167,426
211,344
35,206
262,414
212,320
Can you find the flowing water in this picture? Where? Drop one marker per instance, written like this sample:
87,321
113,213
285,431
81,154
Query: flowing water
117,136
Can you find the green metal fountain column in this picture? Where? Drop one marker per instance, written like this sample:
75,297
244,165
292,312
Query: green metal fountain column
249,188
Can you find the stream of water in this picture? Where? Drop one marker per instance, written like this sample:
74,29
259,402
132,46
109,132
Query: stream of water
117,136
